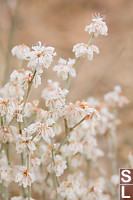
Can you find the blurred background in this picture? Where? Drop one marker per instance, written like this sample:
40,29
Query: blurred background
61,23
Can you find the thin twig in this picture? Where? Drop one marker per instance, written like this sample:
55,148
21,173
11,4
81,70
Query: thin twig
10,40
29,88
53,159
77,124
67,133
28,167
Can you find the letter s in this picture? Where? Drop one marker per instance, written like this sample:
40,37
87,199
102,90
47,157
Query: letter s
126,175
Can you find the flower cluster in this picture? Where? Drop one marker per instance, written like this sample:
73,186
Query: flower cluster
54,148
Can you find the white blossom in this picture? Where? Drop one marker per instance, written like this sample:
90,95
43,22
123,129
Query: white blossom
115,98
24,177
82,50
60,166
6,175
98,26
39,57
42,130
25,144
8,134
20,51
65,68
115,179
69,189
54,95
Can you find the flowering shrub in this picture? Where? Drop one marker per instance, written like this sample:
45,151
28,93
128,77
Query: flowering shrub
57,146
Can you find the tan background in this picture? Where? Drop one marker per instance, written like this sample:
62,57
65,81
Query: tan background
61,23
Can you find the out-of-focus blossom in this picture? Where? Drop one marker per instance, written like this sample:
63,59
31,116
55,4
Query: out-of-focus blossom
82,50
20,51
60,166
69,189
6,175
35,162
98,26
115,179
54,95
65,68
8,134
115,98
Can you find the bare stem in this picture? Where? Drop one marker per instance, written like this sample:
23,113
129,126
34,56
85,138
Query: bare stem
10,40
57,180
90,41
28,167
7,152
67,132
11,121
77,124
29,88
5,193
29,192
65,138
67,81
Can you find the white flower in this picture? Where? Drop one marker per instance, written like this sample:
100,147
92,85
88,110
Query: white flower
75,144
24,177
28,109
75,161
8,134
35,162
90,149
46,132
60,166
115,98
73,114
20,51
37,80
3,159
46,154
115,179
39,57
42,130
21,78
19,117
97,27
82,50
4,107
65,68
69,189
6,175
57,129
18,110
54,95
25,144
13,91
